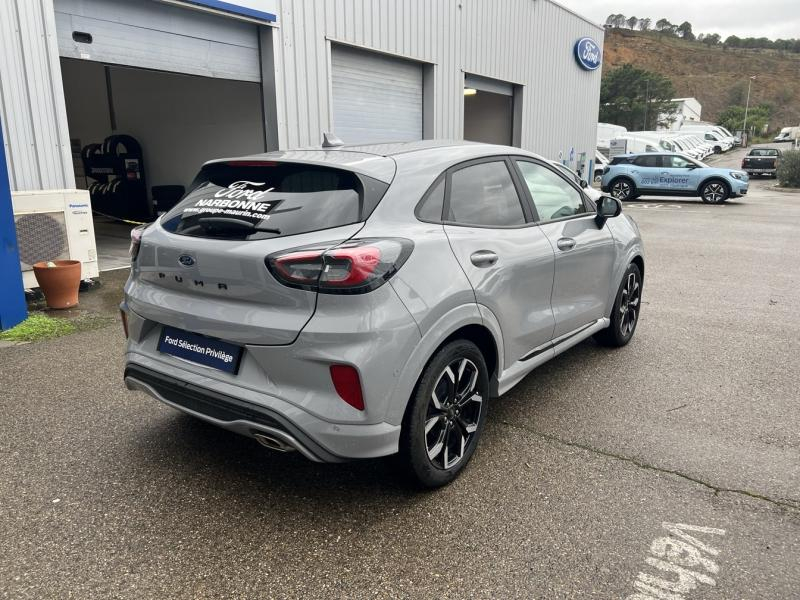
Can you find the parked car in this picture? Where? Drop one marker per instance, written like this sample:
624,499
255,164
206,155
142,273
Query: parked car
357,302
721,138
762,161
591,192
671,174
787,134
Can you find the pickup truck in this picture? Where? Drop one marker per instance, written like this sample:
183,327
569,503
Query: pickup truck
762,161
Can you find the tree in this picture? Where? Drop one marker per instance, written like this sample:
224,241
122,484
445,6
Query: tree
619,21
733,41
732,117
712,39
663,24
685,31
644,24
636,98
737,94
632,21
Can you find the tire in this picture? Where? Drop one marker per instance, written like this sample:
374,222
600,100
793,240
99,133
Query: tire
436,443
625,313
622,189
715,191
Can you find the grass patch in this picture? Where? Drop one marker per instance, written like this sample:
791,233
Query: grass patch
38,327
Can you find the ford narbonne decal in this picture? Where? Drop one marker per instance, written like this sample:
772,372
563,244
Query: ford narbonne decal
587,54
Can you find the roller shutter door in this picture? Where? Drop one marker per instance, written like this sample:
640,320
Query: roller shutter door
376,98
152,35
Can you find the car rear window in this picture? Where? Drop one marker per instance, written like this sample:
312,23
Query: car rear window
763,152
246,200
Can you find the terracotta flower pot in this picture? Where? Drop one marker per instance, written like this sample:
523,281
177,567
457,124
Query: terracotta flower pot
60,283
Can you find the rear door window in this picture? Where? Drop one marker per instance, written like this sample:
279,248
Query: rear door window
262,199
484,195
653,161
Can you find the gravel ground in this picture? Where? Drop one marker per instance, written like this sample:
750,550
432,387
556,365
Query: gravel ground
105,493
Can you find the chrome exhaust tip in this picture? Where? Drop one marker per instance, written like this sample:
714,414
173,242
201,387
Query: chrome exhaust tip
273,443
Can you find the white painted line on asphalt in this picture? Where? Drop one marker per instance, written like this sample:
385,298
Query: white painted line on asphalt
673,556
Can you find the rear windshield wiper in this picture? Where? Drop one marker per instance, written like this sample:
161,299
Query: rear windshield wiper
221,223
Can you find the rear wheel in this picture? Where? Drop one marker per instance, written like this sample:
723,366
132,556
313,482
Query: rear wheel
625,313
714,192
446,415
623,189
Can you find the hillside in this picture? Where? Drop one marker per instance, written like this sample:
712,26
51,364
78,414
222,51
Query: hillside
717,77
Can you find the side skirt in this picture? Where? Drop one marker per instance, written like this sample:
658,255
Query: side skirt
540,355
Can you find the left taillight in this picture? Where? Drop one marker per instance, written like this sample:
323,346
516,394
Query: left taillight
136,240
351,267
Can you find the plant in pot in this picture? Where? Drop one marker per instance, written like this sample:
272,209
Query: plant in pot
59,281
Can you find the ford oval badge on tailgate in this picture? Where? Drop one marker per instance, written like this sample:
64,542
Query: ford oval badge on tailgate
186,260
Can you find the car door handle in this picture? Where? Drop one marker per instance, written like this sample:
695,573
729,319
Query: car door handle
565,244
483,258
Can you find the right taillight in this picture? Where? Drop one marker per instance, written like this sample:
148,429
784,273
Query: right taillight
351,267
136,240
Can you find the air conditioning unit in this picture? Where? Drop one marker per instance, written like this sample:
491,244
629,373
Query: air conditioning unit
51,225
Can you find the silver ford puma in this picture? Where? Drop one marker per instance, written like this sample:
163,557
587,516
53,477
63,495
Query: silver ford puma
363,301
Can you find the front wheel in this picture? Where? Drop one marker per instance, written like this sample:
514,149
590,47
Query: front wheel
714,192
446,415
625,313
623,189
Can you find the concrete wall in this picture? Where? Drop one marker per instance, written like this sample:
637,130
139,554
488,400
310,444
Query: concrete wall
181,121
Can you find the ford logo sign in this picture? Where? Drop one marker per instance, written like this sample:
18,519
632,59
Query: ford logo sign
587,54
186,260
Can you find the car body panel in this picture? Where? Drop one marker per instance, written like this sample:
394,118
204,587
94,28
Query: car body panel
532,304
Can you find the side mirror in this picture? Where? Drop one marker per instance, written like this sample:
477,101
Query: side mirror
692,167
608,207
584,183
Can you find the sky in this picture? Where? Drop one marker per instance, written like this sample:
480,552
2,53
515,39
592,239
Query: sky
745,18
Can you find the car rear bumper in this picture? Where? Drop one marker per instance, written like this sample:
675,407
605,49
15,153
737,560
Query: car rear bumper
286,391
314,438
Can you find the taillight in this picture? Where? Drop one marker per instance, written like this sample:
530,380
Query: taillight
136,240
348,385
743,161
352,267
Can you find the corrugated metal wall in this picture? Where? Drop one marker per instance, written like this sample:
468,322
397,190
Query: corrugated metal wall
35,136
526,42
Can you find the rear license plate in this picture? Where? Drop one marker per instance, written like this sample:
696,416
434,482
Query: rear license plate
200,349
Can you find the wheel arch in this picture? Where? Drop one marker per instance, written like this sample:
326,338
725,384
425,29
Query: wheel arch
711,178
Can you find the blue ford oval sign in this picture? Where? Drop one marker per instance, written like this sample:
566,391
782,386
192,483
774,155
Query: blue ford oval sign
587,54
186,260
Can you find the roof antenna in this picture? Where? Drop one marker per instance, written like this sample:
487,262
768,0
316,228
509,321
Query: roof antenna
329,140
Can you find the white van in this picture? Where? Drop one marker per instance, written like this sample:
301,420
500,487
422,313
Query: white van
720,140
633,144
788,134
607,132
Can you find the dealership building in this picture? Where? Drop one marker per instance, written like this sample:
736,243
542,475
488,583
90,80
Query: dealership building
118,102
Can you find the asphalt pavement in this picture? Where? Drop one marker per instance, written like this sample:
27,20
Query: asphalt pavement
595,477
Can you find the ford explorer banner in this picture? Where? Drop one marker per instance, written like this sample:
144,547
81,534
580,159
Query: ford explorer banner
200,349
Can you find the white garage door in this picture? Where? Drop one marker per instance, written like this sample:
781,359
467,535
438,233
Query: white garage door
376,98
152,35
